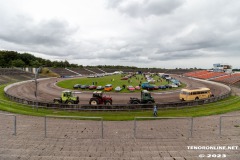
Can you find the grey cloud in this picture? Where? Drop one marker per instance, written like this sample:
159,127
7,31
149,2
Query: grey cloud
177,55
144,8
23,30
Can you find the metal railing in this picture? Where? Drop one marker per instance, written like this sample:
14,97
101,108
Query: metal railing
14,122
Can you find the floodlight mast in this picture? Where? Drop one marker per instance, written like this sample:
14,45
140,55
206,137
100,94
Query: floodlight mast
36,85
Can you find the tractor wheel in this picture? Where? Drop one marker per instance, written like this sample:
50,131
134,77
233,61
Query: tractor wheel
56,102
94,102
135,102
149,102
108,103
69,102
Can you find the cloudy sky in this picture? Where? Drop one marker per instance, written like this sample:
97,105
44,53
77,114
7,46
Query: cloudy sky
143,33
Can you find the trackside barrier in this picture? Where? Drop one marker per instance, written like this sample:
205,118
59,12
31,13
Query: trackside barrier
73,117
220,122
154,118
14,122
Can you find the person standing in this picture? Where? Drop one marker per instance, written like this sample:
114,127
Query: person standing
155,114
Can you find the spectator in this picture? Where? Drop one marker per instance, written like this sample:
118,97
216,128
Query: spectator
155,114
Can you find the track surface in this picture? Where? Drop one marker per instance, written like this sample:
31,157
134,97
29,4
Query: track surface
47,91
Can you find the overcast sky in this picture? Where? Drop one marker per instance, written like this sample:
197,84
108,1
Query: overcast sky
143,33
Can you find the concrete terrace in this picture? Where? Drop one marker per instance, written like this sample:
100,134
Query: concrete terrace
81,140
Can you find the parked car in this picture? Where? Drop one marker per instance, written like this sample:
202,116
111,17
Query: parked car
100,88
92,87
162,87
77,86
130,88
137,87
118,89
124,78
146,85
84,86
155,87
174,85
108,87
168,86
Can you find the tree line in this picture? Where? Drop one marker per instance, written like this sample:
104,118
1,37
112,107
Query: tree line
15,59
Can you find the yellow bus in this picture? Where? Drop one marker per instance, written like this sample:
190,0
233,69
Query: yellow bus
195,94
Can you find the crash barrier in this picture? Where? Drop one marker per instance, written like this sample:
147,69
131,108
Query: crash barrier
14,122
167,128
116,107
231,124
77,128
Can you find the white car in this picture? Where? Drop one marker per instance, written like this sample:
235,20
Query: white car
174,85
118,89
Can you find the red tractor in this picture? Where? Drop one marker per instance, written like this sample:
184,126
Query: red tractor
98,98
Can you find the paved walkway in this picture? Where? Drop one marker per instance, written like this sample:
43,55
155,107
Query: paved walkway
82,140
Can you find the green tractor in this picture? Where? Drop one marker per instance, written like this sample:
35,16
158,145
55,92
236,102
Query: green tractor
146,98
67,98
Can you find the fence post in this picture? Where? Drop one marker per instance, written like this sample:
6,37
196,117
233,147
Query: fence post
191,129
15,125
135,126
102,127
220,126
45,126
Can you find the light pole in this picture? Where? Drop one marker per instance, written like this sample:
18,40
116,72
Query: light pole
36,85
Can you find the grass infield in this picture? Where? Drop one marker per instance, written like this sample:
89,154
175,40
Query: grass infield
115,80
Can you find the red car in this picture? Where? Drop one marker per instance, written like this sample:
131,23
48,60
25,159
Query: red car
92,87
137,87
124,78
131,88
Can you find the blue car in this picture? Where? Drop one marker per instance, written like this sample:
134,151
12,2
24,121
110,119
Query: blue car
162,87
146,85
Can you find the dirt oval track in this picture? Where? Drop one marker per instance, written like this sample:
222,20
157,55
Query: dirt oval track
47,91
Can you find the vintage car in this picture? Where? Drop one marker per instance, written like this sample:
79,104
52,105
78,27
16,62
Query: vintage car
108,87
100,88
118,89
131,88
